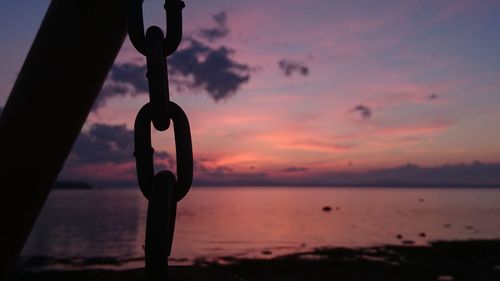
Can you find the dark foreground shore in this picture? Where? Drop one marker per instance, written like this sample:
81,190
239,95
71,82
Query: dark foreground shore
474,260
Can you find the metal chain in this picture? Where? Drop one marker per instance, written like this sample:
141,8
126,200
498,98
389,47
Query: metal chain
156,48
163,189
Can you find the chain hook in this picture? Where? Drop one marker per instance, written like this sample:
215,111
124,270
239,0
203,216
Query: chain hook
173,37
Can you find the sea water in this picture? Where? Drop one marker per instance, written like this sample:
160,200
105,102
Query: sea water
258,221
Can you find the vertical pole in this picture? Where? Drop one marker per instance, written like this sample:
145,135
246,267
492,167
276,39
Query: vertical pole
66,66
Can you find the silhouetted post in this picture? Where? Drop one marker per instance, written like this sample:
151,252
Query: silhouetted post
67,64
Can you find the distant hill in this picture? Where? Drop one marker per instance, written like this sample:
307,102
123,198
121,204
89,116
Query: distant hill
72,185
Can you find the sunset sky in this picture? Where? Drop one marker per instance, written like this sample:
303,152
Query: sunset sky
283,90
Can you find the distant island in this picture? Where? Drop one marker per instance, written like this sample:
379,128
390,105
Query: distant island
72,185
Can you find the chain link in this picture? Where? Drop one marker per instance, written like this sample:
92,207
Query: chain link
163,189
144,151
157,78
156,47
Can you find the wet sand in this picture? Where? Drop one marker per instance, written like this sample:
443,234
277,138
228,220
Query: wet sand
474,260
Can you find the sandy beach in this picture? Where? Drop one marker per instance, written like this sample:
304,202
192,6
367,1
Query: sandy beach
473,260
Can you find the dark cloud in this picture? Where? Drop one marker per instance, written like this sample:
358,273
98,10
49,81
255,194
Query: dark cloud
123,79
289,67
433,96
295,169
220,29
103,143
199,66
131,73
1,110
112,90
476,173
365,111
195,66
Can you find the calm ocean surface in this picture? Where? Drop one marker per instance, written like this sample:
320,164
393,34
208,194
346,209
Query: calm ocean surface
260,222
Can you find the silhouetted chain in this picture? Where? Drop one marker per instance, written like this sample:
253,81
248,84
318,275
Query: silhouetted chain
156,48
163,189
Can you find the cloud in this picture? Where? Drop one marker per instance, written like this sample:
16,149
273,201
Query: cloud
201,166
104,143
289,67
235,179
199,66
220,29
123,79
433,96
195,66
314,145
1,110
132,74
476,173
104,153
294,169
365,111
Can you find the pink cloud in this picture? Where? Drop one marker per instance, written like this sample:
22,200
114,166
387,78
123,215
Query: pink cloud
431,127
103,172
317,146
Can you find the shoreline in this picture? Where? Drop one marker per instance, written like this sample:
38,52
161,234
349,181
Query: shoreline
473,260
